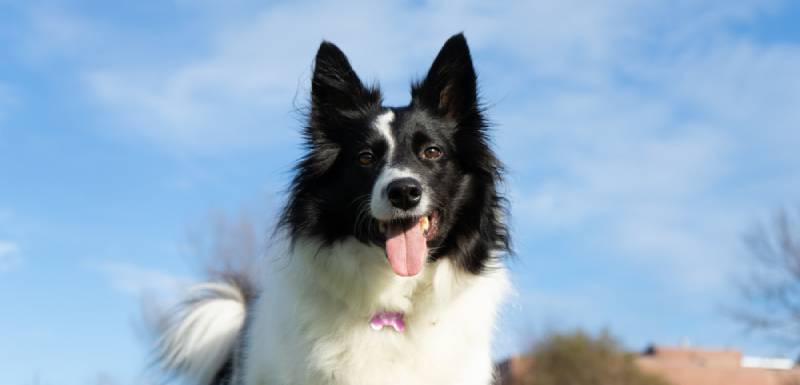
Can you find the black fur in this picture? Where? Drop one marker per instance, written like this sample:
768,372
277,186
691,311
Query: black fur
330,193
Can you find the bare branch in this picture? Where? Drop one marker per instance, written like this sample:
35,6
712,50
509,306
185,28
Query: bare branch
230,249
770,294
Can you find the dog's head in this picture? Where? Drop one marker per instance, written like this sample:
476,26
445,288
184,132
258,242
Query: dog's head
419,181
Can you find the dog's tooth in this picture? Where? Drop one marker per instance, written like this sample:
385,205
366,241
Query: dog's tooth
382,227
425,223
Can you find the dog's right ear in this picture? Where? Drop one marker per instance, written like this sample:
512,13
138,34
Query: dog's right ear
336,90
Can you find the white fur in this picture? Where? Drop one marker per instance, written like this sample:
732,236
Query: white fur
310,326
380,206
202,335
383,123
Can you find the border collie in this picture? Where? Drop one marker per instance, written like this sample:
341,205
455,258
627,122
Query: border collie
394,235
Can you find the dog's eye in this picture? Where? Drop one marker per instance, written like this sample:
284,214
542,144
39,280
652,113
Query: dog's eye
432,153
365,158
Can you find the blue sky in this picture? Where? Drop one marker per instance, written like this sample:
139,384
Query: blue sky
643,139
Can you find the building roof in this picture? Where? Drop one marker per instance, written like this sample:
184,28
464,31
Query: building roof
689,366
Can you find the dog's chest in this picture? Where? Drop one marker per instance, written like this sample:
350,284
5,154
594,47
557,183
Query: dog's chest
434,349
318,332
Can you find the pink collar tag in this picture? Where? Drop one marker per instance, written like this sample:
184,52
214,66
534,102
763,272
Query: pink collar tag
388,318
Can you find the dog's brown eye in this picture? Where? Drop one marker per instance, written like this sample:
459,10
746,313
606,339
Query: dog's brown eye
365,158
432,153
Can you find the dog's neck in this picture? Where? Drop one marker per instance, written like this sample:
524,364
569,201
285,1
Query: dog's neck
358,276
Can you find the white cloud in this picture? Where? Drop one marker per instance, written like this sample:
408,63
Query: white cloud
128,278
239,93
61,29
10,258
55,32
748,89
661,162
666,159
8,100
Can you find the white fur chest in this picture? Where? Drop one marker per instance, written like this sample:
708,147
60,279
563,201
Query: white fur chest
311,324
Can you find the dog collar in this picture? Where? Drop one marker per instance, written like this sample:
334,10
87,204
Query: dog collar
388,318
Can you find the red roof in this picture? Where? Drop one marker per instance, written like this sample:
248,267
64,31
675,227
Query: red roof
680,366
684,366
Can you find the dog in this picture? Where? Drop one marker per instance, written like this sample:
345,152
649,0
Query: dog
392,240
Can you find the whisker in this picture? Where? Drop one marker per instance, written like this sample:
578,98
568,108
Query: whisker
360,204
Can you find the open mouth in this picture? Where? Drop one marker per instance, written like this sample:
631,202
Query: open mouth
429,224
407,242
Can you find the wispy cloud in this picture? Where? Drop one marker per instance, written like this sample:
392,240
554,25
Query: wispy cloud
237,94
240,94
10,258
662,160
8,100
131,279
62,31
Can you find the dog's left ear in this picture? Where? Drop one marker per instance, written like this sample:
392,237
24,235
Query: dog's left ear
450,88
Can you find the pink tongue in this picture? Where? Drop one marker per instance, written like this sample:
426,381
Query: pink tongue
406,249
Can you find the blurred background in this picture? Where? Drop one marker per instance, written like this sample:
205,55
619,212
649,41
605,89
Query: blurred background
653,153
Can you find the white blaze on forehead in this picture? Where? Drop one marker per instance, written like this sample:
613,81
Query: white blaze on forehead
383,123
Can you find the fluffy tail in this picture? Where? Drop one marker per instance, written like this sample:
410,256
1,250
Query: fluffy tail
197,340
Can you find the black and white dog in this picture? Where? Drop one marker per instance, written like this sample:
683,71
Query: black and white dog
394,233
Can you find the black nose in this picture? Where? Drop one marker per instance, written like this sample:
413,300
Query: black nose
404,193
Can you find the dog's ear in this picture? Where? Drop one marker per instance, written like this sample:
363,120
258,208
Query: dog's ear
450,88
335,87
